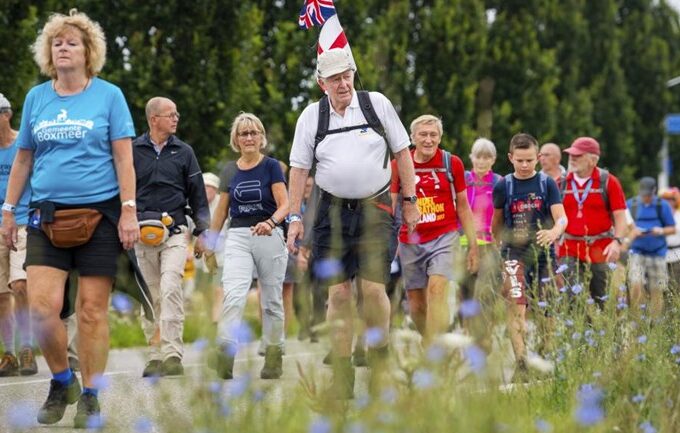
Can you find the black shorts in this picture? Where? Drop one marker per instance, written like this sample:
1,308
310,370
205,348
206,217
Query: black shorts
98,257
596,276
353,239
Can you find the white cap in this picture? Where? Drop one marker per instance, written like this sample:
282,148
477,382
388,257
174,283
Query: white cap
210,179
4,102
333,61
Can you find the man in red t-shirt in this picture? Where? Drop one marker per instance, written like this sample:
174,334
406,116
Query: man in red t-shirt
597,221
427,254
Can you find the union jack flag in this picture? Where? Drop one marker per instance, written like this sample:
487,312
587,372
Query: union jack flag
315,12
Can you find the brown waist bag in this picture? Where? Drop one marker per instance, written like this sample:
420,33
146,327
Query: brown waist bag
72,227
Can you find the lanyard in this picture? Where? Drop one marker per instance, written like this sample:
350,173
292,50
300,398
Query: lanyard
580,199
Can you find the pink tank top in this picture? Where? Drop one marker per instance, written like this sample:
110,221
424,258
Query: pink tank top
480,196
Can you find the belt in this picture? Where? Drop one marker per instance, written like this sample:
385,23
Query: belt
354,203
609,234
247,221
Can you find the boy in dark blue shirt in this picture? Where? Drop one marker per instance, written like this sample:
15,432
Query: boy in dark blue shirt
528,218
652,222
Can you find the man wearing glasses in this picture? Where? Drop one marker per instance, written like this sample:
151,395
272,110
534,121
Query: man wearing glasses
168,178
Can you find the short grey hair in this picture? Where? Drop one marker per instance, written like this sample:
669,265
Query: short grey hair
483,147
427,119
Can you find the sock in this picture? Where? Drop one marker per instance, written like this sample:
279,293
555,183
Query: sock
91,391
63,377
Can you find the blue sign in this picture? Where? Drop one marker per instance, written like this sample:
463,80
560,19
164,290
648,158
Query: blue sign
672,124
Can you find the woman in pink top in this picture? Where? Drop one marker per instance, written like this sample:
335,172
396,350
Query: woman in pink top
479,287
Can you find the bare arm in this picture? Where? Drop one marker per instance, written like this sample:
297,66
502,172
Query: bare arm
546,237
128,227
21,170
497,225
466,220
281,197
407,178
612,251
297,181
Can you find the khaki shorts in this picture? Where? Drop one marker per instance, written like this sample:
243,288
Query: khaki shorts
12,262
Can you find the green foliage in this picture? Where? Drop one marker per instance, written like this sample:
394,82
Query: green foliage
555,69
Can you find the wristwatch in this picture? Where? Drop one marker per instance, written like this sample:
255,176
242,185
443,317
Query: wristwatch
619,240
129,203
294,217
411,199
6,207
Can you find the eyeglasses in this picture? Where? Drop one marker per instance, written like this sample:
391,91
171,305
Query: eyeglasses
244,134
171,115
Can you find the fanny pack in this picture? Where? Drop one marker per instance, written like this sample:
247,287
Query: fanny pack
72,227
154,227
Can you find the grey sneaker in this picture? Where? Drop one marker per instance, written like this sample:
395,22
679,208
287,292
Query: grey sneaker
58,398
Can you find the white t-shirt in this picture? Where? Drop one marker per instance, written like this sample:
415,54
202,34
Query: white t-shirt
673,241
350,164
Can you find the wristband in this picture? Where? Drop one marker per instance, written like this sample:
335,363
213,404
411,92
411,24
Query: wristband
129,203
274,220
270,224
6,207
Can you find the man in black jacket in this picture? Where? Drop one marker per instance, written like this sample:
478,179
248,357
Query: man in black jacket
168,179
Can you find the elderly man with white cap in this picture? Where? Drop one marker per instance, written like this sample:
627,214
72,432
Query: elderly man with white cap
596,209
349,136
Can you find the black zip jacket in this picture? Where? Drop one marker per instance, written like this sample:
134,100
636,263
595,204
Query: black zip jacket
170,181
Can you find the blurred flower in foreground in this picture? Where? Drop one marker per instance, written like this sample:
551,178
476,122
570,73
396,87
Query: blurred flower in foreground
647,427
476,358
543,426
423,379
469,308
374,337
20,415
589,407
121,303
144,425
320,425
327,268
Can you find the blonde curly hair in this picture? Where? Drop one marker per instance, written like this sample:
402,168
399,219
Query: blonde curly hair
93,36
246,121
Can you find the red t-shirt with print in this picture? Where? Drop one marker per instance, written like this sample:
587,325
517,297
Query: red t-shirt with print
437,210
595,218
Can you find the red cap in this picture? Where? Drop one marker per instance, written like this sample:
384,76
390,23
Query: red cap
583,145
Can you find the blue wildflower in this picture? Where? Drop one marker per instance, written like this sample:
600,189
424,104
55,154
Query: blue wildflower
622,288
20,416
355,427
95,422
545,280
469,308
647,427
423,379
642,339
241,332
563,267
476,358
675,349
576,336
201,344
121,303
362,401
542,304
237,387
100,381
590,301
320,424
643,306
436,353
543,426
215,387
327,268
612,266
144,425
389,395
589,410
563,289
374,337
568,323
638,398
597,374
641,357
576,289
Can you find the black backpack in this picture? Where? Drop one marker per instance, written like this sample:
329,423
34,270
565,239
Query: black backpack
372,121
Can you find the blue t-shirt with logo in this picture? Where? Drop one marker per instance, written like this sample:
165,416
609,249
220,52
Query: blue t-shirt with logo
7,155
250,191
529,207
70,137
646,219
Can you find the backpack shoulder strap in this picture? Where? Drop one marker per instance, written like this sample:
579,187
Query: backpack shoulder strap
373,121
509,191
604,182
634,208
658,210
563,186
446,159
322,125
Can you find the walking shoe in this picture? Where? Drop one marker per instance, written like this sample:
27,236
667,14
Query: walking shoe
73,364
224,363
377,355
27,364
88,412
328,359
58,398
273,363
172,367
359,357
342,384
153,368
9,365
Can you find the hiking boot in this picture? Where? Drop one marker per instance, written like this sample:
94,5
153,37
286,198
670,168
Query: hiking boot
73,364
224,363
359,357
313,337
88,412
153,368
273,363
328,359
9,366
58,398
172,367
342,384
27,364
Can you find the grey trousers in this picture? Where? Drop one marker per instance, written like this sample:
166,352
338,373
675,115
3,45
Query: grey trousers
244,251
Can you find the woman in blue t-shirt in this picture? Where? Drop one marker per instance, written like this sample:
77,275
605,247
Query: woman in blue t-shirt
253,193
75,146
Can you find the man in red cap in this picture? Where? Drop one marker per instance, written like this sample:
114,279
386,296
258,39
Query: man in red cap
595,206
